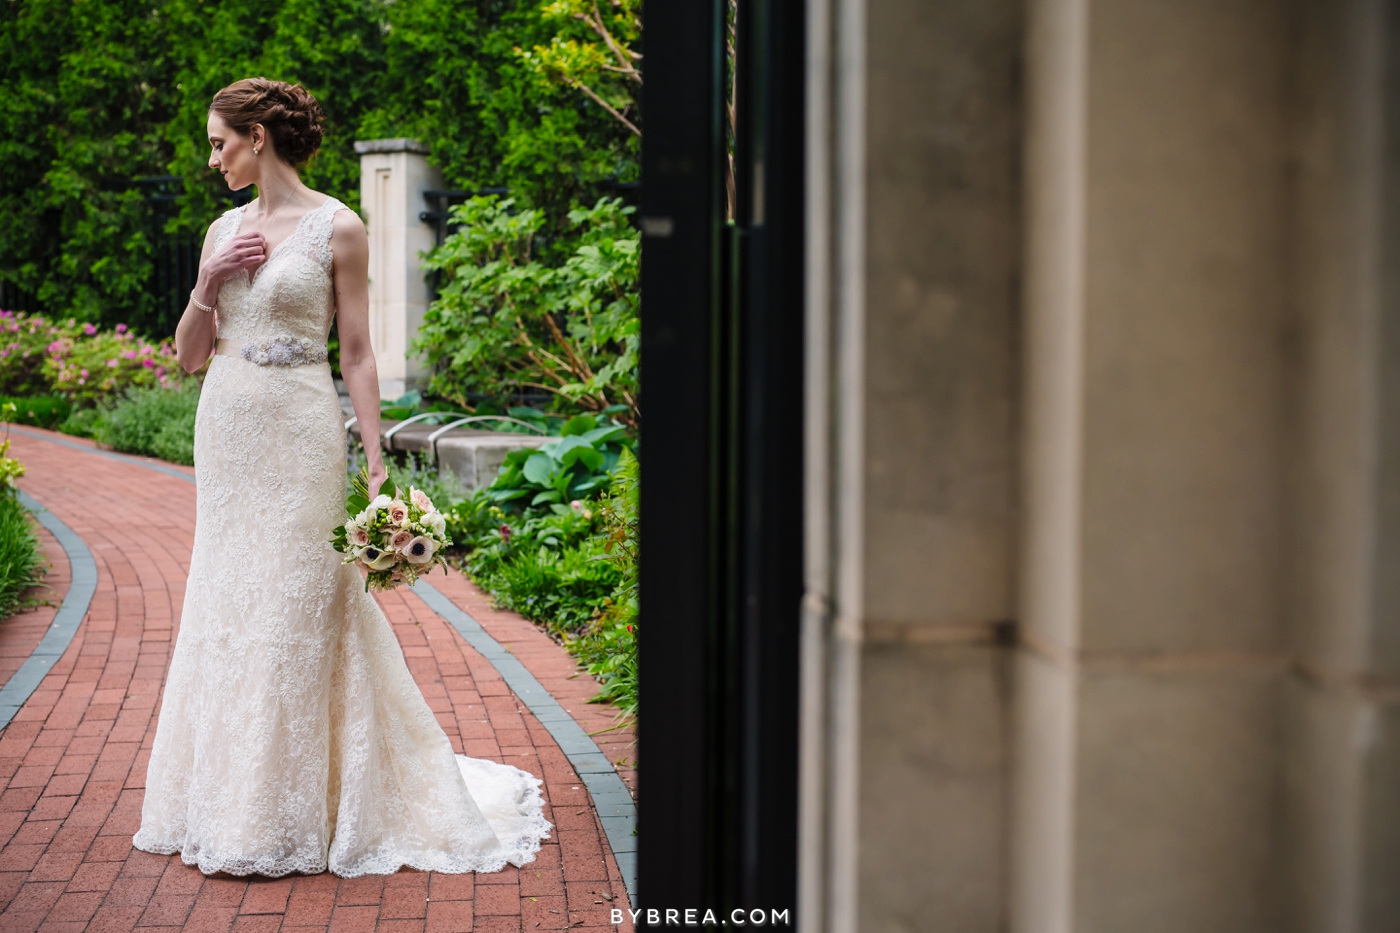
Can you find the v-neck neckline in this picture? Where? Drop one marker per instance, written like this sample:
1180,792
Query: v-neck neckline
272,253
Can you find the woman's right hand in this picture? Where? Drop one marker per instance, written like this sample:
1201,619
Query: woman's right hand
244,251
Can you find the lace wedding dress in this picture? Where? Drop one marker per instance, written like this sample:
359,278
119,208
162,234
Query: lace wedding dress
292,737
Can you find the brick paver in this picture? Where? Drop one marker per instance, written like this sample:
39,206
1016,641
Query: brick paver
73,763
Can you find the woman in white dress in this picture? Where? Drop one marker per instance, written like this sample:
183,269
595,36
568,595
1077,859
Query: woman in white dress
292,737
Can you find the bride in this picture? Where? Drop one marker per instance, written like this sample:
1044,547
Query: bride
291,736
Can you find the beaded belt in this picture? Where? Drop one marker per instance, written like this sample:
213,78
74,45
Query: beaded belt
282,350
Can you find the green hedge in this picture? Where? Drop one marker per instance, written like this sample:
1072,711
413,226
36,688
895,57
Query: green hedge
96,92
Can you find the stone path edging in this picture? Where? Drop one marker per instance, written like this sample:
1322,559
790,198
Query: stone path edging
65,623
616,808
613,801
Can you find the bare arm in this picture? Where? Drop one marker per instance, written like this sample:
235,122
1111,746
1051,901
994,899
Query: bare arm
195,334
350,247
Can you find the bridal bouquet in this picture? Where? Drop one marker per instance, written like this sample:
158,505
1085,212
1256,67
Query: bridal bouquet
396,538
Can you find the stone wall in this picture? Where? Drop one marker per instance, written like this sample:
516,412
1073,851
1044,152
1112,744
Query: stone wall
1105,467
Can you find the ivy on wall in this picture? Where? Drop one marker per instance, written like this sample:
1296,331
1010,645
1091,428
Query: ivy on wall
94,93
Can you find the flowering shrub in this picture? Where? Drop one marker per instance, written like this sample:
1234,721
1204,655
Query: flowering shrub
24,346
94,364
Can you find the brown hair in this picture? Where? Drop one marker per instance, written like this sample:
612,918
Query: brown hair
288,112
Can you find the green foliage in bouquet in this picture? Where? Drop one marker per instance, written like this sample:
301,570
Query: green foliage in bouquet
508,322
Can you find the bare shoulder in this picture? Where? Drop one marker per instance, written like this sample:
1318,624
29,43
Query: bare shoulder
348,233
347,223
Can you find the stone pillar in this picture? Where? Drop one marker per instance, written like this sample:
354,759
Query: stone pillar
1206,690
394,173
1343,766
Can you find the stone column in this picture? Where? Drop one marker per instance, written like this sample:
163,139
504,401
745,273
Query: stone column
1206,686
394,173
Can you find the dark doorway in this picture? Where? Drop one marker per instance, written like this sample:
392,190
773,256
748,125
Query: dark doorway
721,507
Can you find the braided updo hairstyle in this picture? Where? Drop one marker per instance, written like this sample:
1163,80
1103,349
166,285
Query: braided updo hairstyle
288,112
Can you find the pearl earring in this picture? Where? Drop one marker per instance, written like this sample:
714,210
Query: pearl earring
255,150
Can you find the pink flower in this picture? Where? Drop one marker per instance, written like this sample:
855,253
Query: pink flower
357,536
149,363
83,373
400,539
121,328
398,512
420,498
113,362
129,354
160,371
89,329
147,350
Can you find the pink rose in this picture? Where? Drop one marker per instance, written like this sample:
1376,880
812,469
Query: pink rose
358,537
400,539
420,499
398,512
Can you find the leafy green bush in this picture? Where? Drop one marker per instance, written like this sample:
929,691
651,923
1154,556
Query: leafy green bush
507,321
42,411
83,422
576,466
153,422
21,562
545,567
572,568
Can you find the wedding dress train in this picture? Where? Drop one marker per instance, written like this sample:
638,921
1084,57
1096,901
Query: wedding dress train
292,737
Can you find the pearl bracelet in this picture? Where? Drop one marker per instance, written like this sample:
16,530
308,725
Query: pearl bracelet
200,305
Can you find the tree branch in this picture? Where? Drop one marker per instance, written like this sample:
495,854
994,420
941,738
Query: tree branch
606,106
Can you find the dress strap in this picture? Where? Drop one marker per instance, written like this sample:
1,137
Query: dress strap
320,224
229,224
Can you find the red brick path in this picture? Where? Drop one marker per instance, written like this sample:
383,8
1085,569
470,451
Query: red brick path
73,763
